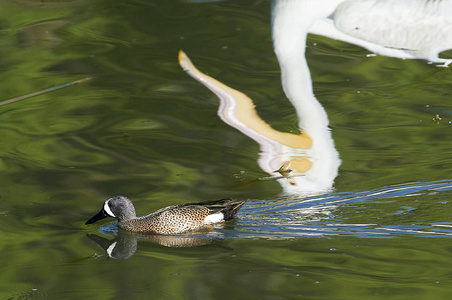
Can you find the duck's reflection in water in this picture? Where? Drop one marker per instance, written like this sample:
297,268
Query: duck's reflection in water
125,244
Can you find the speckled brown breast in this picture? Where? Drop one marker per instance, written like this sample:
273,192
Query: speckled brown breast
170,220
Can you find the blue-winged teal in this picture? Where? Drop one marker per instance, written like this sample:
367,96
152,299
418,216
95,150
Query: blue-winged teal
168,220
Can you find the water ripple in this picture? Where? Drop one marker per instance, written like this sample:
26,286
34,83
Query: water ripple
385,212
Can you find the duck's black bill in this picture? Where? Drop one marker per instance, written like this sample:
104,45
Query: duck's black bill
100,215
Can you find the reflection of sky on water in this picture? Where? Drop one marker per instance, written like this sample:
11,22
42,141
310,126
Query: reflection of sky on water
323,214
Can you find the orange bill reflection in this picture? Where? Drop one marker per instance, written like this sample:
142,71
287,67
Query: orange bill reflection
290,155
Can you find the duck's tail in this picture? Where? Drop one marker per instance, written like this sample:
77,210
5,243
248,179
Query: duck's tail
232,209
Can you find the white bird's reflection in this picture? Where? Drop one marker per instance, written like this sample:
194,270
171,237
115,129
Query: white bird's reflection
309,162
408,29
294,155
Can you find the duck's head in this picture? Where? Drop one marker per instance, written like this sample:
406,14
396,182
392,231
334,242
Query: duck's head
118,207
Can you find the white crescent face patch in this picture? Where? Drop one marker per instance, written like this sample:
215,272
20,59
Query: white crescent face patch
108,210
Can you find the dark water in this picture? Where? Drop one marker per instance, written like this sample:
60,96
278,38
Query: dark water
143,128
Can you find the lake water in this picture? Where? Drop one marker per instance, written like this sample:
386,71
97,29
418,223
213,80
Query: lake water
142,127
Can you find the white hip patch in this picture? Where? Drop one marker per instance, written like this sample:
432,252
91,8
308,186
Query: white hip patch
214,218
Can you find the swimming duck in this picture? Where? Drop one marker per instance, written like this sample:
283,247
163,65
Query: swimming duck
168,220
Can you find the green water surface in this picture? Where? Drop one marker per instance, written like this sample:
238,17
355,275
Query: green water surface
143,128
